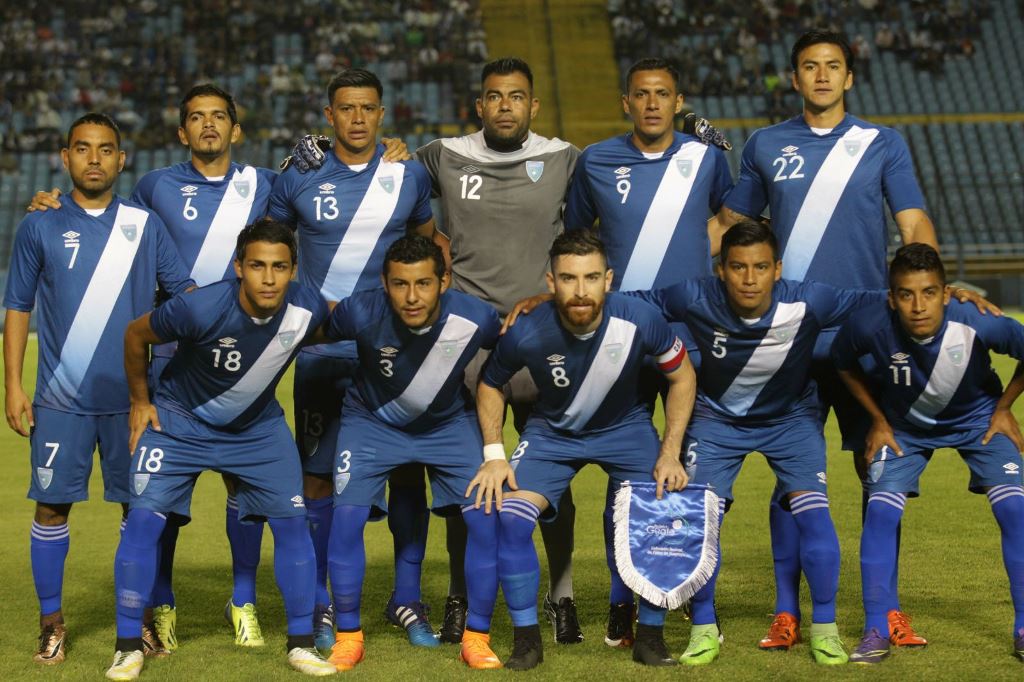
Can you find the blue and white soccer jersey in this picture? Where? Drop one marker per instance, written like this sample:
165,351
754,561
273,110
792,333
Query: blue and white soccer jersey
216,402
589,391
935,394
345,220
93,275
754,391
409,402
203,217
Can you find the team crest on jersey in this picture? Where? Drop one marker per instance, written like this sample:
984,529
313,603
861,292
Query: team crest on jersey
287,338
534,169
622,170
556,360
44,476
189,190
139,482
129,232
851,147
685,167
341,481
790,150
326,188
900,358
448,347
782,334
613,351
956,354
470,169
227,342
242,187
387,182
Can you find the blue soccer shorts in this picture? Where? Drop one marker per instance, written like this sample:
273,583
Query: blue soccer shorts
998,463
545,461
61,454
714,451
319,389
262,458
369,451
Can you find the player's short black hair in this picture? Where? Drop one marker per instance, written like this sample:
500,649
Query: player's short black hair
503,66
266,230
95,118
652,64
916,257
748,233
817,36
206,90
414,248
577,243
353,78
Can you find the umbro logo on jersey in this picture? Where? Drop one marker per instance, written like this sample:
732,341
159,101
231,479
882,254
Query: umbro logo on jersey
1011,468
556,359
326,188
71,236
388,351
790,150
227,342
189,190
471,169
297,502
956,354
622,170
900,358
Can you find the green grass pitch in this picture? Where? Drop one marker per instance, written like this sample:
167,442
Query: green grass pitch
953,583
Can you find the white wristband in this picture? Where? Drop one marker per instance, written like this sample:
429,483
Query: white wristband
494,451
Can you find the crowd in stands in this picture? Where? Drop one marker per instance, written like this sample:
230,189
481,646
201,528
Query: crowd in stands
134,59
702,34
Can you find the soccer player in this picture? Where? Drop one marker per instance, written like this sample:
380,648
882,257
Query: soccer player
346,214
935,389
652,192
584,350
824,175
215,409
94,266
409,403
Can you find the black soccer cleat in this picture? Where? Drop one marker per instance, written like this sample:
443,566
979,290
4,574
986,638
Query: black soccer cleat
563,618
620,625
650,647
527,649
455,609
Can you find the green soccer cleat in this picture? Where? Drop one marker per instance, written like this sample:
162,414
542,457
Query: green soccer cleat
126,666
704,645
247,627
165,619
826,645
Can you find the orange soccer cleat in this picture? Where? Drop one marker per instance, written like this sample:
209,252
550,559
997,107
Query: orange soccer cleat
783,633
901,633
348,650
476,651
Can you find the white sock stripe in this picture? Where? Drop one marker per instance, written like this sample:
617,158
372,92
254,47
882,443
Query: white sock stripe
532,518
809,507
898,500
49,533
1004,486
808,501
1004,492
232,502
467,507
521,505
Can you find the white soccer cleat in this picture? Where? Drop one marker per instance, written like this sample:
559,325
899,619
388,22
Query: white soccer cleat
310,662
126,666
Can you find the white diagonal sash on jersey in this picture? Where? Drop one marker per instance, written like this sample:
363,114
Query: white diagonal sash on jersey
950,365
432,374
603,373
662,219
97,304
822,198
219,245
370,219
227,406
766,359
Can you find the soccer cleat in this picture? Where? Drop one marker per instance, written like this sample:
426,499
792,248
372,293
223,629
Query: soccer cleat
165,619
247,627
455,609
151,643
348,650
527,648
476,651
704,646
310,662
412,617
873,648
826,645
323,629
901,633
53,645
620,625
126,666
1018,645
563,618
650,647
783,633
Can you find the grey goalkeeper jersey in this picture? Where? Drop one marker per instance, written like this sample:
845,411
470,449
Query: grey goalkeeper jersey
502,211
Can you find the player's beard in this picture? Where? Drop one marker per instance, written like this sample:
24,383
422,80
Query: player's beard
507,142
94,189
579,317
